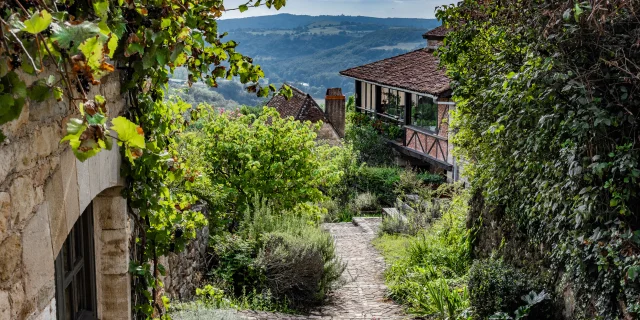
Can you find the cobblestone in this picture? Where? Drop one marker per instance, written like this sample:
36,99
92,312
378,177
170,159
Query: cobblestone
363,295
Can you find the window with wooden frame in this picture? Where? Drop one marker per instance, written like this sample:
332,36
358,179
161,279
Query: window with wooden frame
392,104
424,114
75,274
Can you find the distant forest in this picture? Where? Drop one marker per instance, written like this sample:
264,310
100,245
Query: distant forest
309,51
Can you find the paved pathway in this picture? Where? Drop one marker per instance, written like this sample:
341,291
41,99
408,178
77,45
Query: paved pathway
363,294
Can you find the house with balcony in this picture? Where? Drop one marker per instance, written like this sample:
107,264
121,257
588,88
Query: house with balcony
412,91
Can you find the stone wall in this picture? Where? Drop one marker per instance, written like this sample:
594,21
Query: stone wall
186,270
43,191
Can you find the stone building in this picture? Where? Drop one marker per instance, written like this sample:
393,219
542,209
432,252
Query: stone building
64,229
301,106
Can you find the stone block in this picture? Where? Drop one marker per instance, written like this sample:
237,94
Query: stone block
54,195
20,305
5,214
48,109
46,139
22,188
111,212
6,160
114,253
5,307
48,312
70,187
83,177
25,155
11,249
12,128
45,294
115,304
38,258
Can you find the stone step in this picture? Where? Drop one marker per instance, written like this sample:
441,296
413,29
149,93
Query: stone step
393,213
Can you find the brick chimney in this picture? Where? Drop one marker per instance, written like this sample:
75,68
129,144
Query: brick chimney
334,109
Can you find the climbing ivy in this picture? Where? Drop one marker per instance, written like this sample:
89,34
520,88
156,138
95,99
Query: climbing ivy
547,118
142,42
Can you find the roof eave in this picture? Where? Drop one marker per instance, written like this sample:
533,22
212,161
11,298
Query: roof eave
424,93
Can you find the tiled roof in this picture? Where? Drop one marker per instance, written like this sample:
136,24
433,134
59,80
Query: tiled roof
415,71
301,106
437,33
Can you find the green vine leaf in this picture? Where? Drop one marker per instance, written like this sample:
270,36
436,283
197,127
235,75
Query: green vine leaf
66,34
40,91
128,132
38,22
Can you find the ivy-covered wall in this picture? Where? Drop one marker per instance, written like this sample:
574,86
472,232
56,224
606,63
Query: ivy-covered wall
43,191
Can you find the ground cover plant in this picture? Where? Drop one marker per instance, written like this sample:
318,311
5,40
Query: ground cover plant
428,271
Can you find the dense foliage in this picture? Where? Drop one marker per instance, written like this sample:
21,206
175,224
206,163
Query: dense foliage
547,115
496,286
367,140
244,156
281,259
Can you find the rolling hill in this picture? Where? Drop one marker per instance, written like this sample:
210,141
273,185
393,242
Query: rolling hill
309,51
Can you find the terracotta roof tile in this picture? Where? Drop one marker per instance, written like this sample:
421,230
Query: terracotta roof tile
415,71
437,33
300,106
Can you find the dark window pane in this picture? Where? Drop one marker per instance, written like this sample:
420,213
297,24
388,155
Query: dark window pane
67,303
65,257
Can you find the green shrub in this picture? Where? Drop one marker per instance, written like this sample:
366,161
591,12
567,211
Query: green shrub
379,181
300,269
233,262
431,178
495,286
365,202
447,303
284,260
367,141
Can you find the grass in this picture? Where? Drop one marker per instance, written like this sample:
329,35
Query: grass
391,246
428,271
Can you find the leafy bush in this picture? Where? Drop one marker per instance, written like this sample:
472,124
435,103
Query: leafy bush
273,158
431,178
300,269
282,258
365,202
366,141
495,286
379,181
419,209
449,303
550,119
233,262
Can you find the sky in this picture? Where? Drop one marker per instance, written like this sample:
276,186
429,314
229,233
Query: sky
370,8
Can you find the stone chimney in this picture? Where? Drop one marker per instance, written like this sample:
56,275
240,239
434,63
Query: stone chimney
334,109
435,37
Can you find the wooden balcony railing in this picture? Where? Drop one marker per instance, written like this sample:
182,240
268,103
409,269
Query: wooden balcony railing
427,143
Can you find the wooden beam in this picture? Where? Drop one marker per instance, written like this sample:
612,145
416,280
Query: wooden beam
358,94
407,108
378,99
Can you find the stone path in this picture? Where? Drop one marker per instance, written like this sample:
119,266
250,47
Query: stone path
363,294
